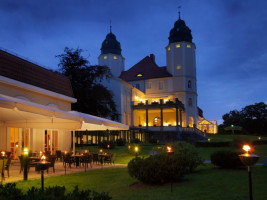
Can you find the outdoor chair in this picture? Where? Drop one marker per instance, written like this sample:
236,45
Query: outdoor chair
87,159
52,160
67,159
8,165
95,158
59,155
110,158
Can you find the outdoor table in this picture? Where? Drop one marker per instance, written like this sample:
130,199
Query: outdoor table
34,158
102,157
43,166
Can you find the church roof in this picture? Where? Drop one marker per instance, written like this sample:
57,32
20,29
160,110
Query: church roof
145,69
111,45
22,70
180,32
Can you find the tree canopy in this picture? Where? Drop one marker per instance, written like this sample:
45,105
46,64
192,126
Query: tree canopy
253,118
92,97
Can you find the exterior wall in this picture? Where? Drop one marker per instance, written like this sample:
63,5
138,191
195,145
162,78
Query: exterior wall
13,91
113,61
3,141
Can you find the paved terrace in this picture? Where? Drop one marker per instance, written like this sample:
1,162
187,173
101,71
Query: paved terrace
15,175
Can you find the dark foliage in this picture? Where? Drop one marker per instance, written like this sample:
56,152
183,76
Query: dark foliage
104,144
10,192
120,142
92,97
212,144
162,168
135,141
252,118
226,159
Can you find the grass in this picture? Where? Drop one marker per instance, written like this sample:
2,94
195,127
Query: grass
208,183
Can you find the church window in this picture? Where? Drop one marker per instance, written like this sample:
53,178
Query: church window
178,45
189,84
169,48
137,85
139,75
148,85
190,102
188,46
115,57
105,57
178,67
160,85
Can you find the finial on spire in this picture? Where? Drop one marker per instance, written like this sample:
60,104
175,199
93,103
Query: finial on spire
179,7
110,26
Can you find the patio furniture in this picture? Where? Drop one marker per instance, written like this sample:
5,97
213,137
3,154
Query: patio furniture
95,158
8,165
51,160
87,159
109,158
67,159
59,155
2,169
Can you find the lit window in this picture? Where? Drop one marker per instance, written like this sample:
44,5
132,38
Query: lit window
188,46
105,57
148,86
115,57
178,67
190,102
160,85
189,84
169,48
139,75
178,46
137,85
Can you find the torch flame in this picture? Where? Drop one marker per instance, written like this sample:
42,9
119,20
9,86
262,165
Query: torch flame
246,148
169,149
3,153
43,158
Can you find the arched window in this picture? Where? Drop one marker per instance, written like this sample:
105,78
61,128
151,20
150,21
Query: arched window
191,122
189,84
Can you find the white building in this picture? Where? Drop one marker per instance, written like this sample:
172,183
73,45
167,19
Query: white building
152,98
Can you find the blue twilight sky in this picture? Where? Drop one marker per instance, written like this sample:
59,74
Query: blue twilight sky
230,35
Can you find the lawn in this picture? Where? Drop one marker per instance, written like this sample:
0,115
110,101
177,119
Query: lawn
207,183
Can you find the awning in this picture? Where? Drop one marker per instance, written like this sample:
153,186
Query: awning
15,112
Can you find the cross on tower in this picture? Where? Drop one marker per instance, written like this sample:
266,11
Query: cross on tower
110,26
179,7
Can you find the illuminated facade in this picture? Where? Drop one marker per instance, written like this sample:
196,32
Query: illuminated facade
151,97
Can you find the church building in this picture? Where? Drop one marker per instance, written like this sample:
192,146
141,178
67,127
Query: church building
161,101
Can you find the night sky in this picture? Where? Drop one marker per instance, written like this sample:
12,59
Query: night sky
230,36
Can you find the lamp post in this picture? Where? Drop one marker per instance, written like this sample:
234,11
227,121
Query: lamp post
136,149
3,169
42,165
25,153
170,151
249,160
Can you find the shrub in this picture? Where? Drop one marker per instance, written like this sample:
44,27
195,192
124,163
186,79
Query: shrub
10,192
162,168
135,140
120,142
104,145
226,159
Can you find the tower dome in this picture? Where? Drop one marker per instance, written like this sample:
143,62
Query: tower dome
180,32
111,45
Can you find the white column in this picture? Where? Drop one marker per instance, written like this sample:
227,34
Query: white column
20,141
73,142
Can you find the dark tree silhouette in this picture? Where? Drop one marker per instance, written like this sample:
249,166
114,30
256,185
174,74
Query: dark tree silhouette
92,97
253,118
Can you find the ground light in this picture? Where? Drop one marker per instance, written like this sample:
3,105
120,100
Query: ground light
25,162
136,150
170,151
249,160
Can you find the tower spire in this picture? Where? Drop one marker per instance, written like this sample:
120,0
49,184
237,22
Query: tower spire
179,8
110,27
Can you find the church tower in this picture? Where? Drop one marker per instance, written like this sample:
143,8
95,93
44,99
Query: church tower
111,55
181,63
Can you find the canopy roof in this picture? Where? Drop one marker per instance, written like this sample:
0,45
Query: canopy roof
25,114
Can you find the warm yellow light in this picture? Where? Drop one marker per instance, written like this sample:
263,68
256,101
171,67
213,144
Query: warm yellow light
3,153
101,151
169,149
136,149
115,57
169,48
246,148
136,98
26,151
139,75
208,139
108,146
43,158
259,138
129,147
178,67
105,57
166,124
177,45
188,46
